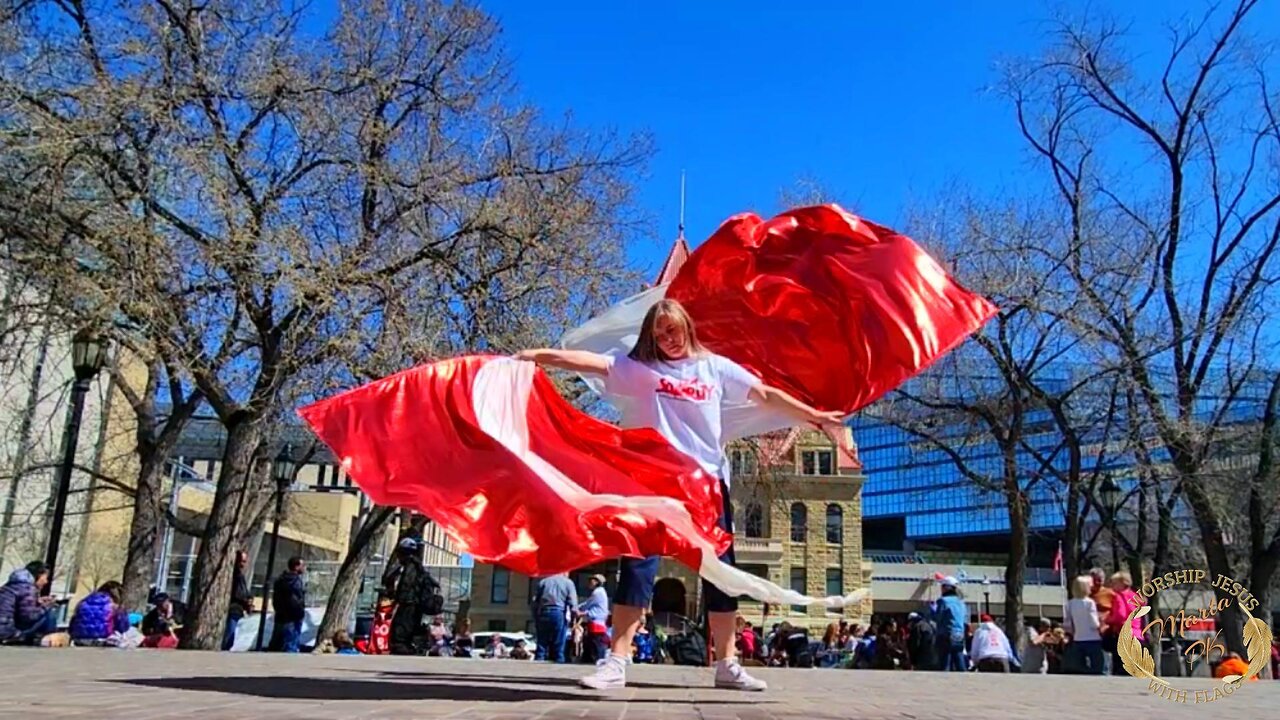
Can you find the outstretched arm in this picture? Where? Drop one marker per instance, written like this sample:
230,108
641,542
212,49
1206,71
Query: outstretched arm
832,422
783,402
580,361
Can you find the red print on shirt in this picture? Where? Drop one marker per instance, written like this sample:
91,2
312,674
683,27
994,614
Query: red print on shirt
684,389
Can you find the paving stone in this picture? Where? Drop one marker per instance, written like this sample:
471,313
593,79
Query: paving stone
146,684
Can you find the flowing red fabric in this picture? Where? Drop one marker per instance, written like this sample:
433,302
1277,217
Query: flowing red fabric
414,440
835,310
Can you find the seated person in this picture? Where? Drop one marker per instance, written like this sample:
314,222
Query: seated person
520,652
25,616
161,613
100,615
497,648
162,636
462,638
795,643
342,644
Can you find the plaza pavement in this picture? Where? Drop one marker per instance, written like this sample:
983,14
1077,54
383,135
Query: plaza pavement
146,684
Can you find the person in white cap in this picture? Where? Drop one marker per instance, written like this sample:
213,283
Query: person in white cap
596,611
950,616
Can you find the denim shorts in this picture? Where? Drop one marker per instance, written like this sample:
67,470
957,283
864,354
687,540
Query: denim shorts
636,576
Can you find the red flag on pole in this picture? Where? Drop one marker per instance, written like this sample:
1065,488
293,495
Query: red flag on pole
1057,559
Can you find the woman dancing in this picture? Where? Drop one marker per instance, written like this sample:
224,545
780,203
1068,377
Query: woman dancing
677,387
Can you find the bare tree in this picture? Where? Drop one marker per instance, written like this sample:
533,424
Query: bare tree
255,200
156,438
1175,258
1013,411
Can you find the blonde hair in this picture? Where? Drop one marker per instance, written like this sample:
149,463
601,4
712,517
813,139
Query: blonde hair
1081,586
1123,577
646,349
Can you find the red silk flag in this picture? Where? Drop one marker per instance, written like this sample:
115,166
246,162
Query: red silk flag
832,308
819,302
422,439
488,450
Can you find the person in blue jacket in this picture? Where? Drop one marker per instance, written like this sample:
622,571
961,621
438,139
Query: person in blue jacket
26,616
100,615
950,616
289,600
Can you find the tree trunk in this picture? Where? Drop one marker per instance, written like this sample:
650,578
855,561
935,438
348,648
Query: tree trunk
1138,547
1164,537
22,459
1015,570
1071,534
1260,577
144,530
1208,521
346,587
231,511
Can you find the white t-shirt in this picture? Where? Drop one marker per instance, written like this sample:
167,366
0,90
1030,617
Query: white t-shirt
989,641
681,399
1081,619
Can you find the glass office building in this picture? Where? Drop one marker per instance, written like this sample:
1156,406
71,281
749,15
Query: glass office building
918,497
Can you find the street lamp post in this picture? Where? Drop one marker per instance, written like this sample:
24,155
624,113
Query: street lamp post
88,351
986,595
1110,494
282,472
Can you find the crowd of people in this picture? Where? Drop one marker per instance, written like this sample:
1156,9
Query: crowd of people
940,637
29,615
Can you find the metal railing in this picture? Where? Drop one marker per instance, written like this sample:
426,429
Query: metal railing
455,582
929,557
1032,576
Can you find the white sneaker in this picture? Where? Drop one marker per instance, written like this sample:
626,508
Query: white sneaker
610,674
731,676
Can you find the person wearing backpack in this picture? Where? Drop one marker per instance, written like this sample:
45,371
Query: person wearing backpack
414,593
950,616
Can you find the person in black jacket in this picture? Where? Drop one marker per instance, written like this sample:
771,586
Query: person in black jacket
241,600
289,598
411,586
162,613
922,643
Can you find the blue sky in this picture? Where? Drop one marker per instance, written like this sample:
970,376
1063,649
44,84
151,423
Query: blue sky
879,102
874,102
883,104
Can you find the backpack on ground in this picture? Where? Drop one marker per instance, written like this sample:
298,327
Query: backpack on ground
687,648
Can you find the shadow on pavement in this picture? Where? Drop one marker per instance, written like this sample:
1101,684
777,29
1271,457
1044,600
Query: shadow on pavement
316,688
517,679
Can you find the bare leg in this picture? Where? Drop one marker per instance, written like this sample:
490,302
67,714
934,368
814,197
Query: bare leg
626,621
724,634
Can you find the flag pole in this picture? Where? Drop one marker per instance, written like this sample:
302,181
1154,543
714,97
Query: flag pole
681,229
1062,575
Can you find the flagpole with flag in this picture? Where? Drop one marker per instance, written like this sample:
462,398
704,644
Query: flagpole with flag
1062,573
